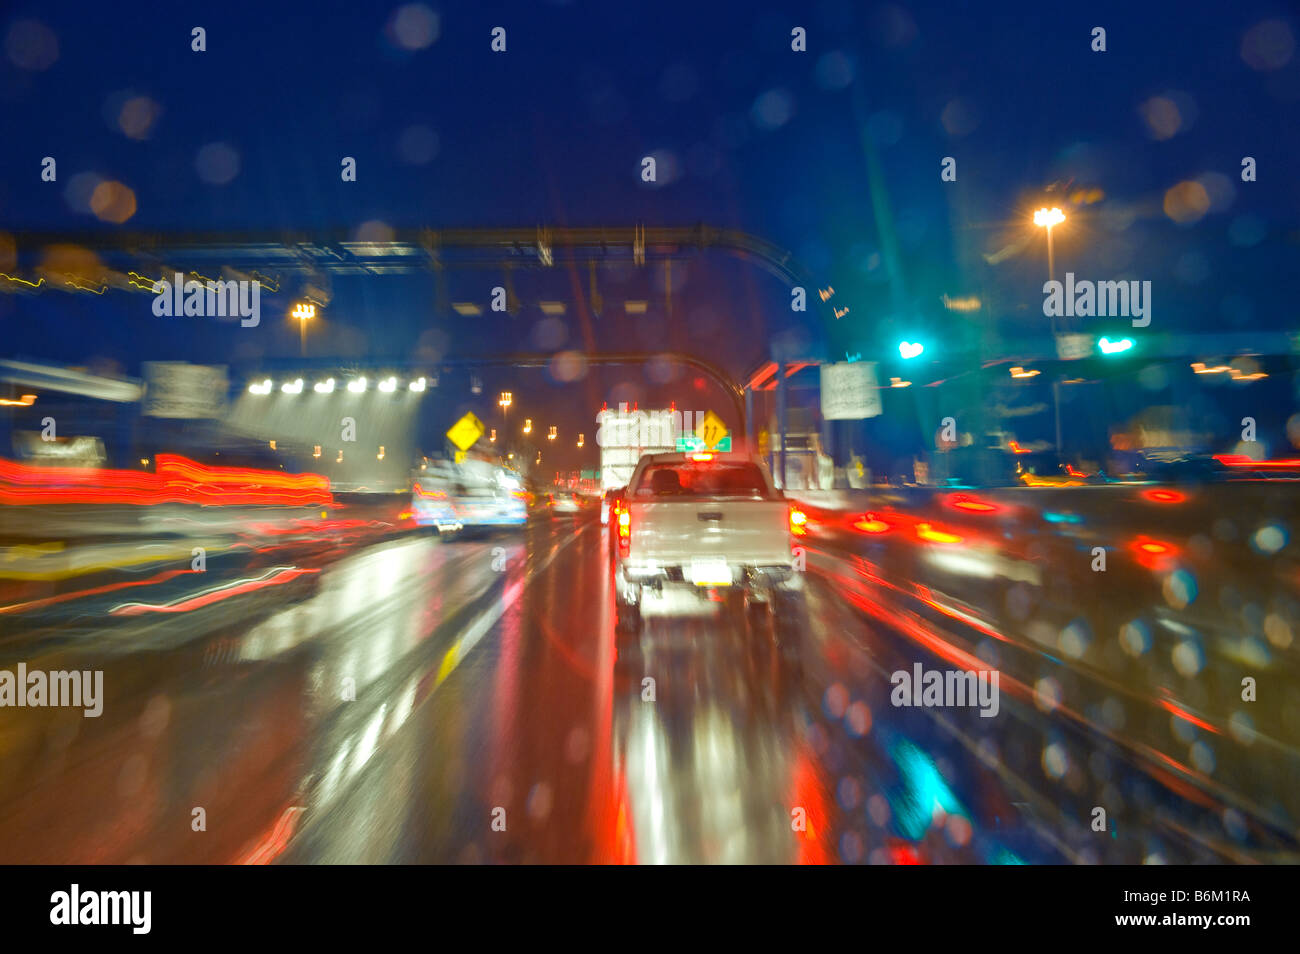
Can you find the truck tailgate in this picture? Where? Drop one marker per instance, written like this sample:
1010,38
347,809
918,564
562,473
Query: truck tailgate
743,532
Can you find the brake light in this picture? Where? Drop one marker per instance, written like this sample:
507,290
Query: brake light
701,457
798,522
624,532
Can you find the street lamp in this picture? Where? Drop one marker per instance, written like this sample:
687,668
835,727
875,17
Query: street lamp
1048,218
528,425
304,311
551,435
580,439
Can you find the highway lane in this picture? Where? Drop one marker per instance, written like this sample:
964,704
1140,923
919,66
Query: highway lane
410,699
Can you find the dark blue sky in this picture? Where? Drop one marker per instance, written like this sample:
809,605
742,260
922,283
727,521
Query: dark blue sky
750,135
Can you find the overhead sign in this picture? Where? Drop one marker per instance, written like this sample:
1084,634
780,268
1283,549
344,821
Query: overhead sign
466,432
1072,347
711,431
178,389
849,391
686,443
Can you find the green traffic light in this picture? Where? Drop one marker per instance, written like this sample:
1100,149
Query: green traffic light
1107,346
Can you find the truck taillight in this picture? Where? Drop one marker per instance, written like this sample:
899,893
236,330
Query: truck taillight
798,522
624,532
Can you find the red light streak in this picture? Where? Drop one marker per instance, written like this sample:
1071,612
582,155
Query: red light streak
1164,496
175,480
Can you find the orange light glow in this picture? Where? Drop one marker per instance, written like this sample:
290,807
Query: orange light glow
964,502
798,522
1153,554
1164,496
925,531
871,524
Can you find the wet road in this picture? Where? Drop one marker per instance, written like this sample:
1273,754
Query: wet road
407,699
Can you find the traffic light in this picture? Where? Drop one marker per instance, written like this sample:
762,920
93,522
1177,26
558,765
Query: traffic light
910,349
1106,346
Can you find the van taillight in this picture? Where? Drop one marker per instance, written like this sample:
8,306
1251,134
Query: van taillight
624,532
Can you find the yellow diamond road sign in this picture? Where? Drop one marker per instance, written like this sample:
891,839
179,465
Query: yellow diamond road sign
711,430
466,432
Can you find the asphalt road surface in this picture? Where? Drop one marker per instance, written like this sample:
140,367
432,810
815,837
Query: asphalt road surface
410,699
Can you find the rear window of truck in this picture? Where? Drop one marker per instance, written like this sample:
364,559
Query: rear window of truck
701,479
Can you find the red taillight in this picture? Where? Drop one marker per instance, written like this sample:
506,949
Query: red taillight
624,532
798,522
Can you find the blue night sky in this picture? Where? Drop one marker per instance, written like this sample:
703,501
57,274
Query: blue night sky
749,135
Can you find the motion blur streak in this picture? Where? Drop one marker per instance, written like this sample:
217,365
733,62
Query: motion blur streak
273,577
175,480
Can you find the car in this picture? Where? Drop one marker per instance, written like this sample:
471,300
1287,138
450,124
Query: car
472,495
562,502
708,522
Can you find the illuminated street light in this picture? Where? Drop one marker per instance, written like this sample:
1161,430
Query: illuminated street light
388,385
1049,217
580,439
416,385
262,388
324,387
528,425
294,387
358,386
1046,218
493,436
1106,346
506,399
551,436
304,311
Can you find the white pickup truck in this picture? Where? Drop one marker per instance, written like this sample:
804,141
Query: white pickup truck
708,521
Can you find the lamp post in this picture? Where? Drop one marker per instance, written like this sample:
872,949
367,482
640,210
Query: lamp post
1047,218
505,400
304,311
